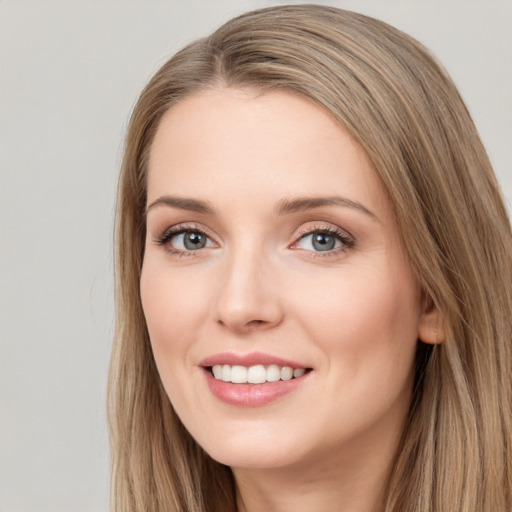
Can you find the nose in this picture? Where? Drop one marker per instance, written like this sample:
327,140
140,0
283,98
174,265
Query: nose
249,296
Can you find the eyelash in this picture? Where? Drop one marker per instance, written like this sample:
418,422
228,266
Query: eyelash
178,230
346,241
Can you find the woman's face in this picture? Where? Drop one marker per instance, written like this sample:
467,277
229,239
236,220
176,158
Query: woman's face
272,251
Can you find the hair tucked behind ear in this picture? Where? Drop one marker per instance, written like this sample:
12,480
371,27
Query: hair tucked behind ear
394,99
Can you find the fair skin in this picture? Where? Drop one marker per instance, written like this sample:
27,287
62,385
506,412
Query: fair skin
244,256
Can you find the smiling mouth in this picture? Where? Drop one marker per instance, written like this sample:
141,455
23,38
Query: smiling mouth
257,374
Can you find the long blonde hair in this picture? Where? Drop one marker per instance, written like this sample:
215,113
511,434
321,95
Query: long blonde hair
399,104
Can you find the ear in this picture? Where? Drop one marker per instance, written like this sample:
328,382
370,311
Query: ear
431,324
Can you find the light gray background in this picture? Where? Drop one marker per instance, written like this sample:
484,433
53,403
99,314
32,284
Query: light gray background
70,72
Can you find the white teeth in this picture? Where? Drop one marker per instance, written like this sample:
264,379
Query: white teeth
217,371
256,374
299,372
238,374
273,373
286,373
226,373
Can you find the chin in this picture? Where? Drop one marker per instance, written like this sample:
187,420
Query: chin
245,454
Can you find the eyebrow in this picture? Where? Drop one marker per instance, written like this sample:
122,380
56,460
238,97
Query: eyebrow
283,207
183,203
309,203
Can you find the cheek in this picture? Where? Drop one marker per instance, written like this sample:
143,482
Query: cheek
363,320
175,310
174,305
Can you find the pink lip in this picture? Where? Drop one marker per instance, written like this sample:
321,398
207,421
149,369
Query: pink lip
250,395
251,359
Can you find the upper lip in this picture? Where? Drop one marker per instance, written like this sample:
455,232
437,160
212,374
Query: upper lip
250,359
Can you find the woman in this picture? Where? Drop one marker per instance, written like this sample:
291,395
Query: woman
313,280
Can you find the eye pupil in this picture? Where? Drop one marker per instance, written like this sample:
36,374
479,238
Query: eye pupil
323,242
193,240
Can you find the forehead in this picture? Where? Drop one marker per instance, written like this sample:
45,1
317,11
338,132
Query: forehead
235,142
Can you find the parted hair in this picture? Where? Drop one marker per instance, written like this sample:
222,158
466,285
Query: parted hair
399,104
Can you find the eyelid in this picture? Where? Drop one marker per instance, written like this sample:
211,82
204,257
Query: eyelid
166,236
347,240
322,226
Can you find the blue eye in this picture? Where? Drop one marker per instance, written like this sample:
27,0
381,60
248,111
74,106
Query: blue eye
319,242
184,240
323,241
189,241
